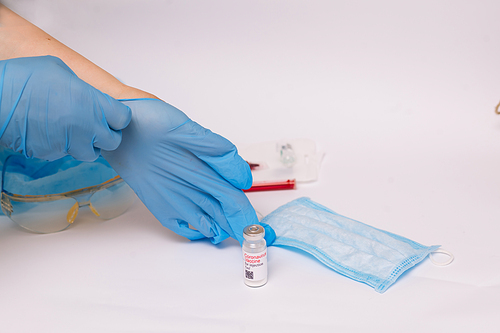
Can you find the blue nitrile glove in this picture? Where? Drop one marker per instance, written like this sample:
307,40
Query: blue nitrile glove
47,112
184,173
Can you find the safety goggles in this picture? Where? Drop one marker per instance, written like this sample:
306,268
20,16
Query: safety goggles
47,213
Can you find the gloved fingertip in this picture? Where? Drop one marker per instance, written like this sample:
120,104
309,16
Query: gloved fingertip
270,235
124,118
222,235
240,176
248,180
182,228
245,179
127,116
118,115
85,156
97,153
108,140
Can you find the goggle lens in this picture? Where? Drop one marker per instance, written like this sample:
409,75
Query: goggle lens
112,201
42,217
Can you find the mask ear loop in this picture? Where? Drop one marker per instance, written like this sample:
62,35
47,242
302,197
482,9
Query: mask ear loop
444,263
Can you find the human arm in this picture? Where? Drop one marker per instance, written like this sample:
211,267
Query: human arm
20,38
185,174
46,110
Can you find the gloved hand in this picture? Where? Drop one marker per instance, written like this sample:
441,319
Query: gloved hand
47,112
184,173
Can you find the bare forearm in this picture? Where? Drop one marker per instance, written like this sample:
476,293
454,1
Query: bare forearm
20,38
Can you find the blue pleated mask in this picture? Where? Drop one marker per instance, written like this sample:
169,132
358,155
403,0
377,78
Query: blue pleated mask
354,249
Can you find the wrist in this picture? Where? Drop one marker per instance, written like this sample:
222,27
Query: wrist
127,92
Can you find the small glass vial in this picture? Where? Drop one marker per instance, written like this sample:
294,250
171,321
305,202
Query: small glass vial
287,155
254,256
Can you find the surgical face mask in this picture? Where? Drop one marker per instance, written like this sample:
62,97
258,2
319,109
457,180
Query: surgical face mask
45,197
354,249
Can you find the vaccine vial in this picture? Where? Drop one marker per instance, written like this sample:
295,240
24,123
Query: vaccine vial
254,256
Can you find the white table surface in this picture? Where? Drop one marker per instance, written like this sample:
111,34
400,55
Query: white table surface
400,95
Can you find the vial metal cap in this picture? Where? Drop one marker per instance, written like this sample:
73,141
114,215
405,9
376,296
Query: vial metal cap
253,232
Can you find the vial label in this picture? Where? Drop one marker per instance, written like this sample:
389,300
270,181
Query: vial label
255,265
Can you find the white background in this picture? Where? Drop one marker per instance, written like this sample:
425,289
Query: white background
399,94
